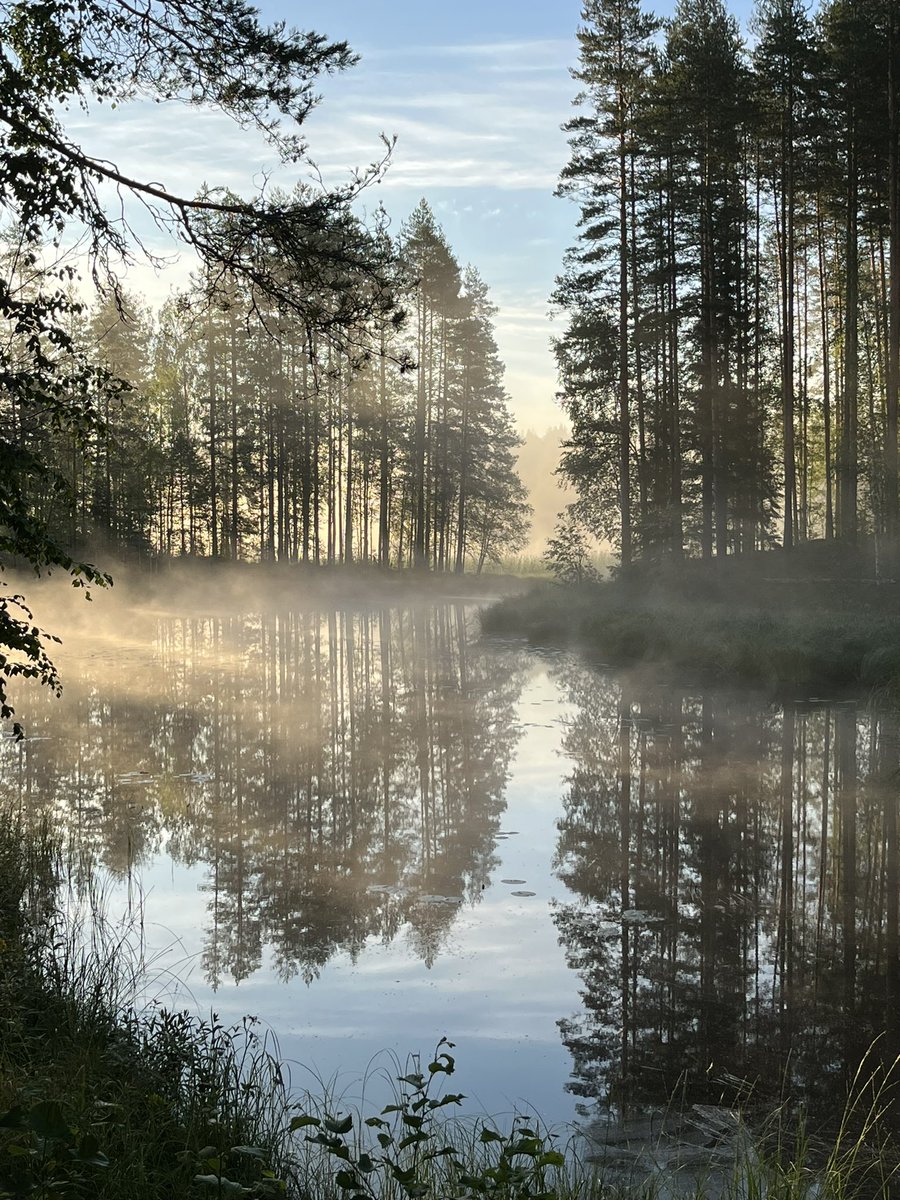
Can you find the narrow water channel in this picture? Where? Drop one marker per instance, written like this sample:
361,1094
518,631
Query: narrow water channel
374,828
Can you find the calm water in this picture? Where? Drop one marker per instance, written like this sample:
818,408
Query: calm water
372,829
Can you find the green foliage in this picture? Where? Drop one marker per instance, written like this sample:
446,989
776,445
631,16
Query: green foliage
98,1098
414,1154
43,1156
568,552
702,635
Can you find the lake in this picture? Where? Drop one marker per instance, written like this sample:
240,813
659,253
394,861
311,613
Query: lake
372,828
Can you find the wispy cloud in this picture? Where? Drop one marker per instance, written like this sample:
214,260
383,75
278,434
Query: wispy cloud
503,103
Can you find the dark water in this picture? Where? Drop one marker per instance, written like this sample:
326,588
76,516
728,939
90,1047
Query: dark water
373,829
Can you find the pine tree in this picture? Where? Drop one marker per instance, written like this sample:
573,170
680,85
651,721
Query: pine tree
614,43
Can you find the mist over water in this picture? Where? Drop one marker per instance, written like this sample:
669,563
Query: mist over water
371,827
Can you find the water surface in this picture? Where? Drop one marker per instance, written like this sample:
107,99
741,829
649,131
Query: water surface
373,828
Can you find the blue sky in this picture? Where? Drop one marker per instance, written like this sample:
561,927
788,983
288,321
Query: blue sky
475,94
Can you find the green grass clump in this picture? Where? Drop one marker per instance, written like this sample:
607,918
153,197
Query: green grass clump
98,1098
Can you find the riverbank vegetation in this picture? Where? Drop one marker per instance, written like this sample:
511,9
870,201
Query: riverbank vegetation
102,1096
814,621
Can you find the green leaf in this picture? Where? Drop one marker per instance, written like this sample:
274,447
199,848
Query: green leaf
551,1158
302,1122
334,1125
488,1135
450,1098
414,1139
365,1164
346,1180
15,1151
227,1187
529,1146
14,1119
89,1152
444,1063
475,1183
417,1081
47,1120
251,1152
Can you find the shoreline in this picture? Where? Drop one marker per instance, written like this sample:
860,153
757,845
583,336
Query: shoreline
795,647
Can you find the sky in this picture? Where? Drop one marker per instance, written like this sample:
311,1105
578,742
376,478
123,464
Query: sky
475,94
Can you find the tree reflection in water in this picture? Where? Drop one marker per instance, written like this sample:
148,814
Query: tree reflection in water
753,852
338,779
330,770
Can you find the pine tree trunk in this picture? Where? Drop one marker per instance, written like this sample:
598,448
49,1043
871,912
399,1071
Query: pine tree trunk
893,339
624,414
848,464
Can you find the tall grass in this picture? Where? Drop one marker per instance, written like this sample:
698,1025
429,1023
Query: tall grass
100,1095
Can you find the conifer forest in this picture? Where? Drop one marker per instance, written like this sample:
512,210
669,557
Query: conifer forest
731,357
242,434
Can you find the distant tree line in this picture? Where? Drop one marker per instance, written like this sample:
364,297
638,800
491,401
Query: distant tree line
248,433
206,450
731,359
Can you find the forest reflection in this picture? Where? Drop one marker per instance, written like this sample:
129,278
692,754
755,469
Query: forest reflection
340,776
735,876
727,870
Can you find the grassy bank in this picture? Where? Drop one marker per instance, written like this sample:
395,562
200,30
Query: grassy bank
98,1099
773,622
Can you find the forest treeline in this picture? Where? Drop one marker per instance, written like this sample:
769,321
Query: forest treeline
731,358
247,433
